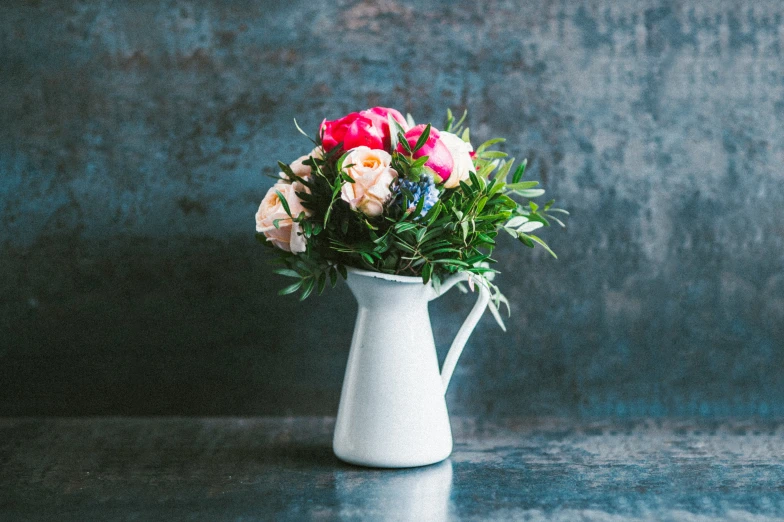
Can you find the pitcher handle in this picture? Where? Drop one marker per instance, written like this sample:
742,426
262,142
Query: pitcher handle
468,326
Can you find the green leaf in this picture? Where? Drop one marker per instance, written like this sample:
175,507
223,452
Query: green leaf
450,262
543,244
539,218
443,251
493,154
485,171
402,139
392,135
343,272
287,272
419,162
462,119
284,203
496,186
516,221
518,174
449,120
435,244
291,288
530,193
404,226
419,206
489,143
415,174
484,238
466,137
307,288
503,170
288,172
530,226
557,220
427,271
522,185
339,164
493,217
434,212
475,181
524,239
302,131
404,246
477,259
464,227
481,204
422,139
507,202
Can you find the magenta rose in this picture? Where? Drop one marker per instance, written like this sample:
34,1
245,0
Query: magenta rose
380,117
368,128
439,158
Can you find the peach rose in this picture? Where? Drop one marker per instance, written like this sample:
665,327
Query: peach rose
298,166
372,177
287,235
461,156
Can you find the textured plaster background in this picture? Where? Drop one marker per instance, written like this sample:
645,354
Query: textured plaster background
134,139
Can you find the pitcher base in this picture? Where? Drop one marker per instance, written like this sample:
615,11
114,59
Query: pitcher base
407,461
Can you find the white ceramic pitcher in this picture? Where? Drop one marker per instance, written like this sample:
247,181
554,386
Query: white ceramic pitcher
392,410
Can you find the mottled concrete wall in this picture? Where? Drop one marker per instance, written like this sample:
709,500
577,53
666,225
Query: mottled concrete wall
134,136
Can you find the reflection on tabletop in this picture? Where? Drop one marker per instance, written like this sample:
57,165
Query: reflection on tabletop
410,494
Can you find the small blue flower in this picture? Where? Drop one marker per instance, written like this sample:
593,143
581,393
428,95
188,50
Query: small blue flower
425,187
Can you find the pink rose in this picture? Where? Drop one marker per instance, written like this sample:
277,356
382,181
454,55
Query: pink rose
372,177
368,128
287,235
380,117
440,160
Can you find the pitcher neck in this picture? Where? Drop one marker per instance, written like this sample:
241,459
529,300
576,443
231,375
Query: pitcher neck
396,293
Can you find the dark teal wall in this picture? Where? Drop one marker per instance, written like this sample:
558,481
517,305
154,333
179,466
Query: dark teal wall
134,136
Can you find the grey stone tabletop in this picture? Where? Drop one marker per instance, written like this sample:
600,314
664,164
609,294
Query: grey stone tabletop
283,469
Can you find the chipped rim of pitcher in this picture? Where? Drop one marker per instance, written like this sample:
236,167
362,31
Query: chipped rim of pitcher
387,277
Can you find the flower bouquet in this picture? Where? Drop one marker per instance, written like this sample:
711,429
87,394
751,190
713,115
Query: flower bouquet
381,193
403,212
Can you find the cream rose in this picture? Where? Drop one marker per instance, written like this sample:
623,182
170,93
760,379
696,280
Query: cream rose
372,177
461,155
287,235
298,166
